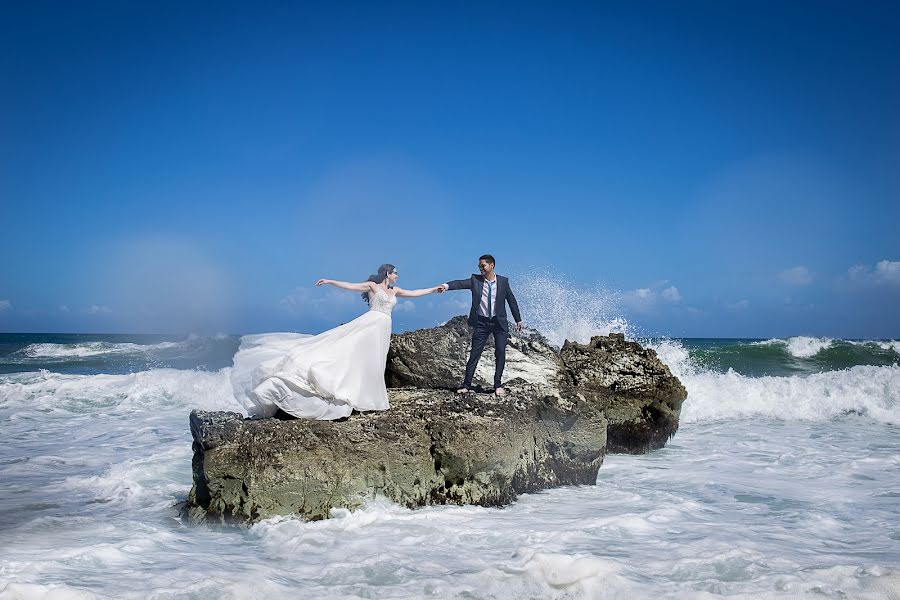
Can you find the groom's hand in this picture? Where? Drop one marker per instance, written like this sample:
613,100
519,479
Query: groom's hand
519,326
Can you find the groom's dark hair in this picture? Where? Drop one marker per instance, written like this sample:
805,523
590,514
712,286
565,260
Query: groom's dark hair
488,258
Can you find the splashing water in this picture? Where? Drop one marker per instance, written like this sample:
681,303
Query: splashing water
562,311
800,346
91,349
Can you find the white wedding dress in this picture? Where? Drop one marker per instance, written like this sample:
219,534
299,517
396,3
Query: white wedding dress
323,376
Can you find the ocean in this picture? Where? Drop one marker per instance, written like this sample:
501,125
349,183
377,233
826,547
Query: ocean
783,481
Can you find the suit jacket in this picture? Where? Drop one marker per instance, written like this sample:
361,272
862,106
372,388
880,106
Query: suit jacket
505,296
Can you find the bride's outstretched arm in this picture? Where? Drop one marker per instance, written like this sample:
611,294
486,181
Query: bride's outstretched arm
416,293
365,286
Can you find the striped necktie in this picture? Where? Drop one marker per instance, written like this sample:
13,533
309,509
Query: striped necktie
490,290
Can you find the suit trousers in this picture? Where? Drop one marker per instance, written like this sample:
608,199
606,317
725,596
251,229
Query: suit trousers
484,328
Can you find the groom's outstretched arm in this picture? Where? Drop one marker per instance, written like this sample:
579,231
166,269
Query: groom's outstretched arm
459,284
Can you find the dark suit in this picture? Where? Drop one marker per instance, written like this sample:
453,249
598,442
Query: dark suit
498,326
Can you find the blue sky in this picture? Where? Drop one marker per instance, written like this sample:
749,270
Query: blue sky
709,168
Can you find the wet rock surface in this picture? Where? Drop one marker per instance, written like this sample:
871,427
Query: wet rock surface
566,408
637,392
431,447
435,358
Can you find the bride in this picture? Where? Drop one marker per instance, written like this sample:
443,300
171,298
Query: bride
329,375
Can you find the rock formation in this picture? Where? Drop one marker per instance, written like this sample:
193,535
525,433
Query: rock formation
565,409
637,392
436,358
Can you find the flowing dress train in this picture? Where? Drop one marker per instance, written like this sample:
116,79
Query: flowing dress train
323,376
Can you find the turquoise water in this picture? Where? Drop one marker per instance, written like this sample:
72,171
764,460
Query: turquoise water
90,354
114,354
791,356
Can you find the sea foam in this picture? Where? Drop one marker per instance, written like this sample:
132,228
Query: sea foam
94,467
87,349
864,390
805,347
563,311
873,391
144,390
888,346
800,346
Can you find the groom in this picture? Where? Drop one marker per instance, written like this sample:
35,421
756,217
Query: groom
490,294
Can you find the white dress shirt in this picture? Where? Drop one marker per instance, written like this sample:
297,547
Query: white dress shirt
490,287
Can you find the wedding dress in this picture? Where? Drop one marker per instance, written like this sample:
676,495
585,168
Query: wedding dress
323,376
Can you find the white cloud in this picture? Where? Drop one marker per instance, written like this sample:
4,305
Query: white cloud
455,302
306,299
671,294
5,305
739,305
888,271
640,300
799,275
885,272
858,272
649,298
405,306
63,308
98,310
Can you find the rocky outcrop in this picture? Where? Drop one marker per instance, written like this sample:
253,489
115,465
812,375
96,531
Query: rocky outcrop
641,398
431,447
566,408
435,358
637,392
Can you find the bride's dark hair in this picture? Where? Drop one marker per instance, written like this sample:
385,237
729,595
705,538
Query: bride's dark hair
382,274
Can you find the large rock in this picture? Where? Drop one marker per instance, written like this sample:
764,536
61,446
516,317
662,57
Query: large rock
566,408
436,358
637,392
641,397
431,447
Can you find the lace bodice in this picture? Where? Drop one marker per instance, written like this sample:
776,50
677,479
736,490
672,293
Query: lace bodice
382,302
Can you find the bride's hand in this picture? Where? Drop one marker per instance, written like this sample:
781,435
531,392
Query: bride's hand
322,282
437,290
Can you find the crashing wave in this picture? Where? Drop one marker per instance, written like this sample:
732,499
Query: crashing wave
800,346
873,391
88,349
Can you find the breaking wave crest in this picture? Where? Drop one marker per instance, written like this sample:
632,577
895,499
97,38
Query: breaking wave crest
156,389
873,391
797,378
86,349
800,346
